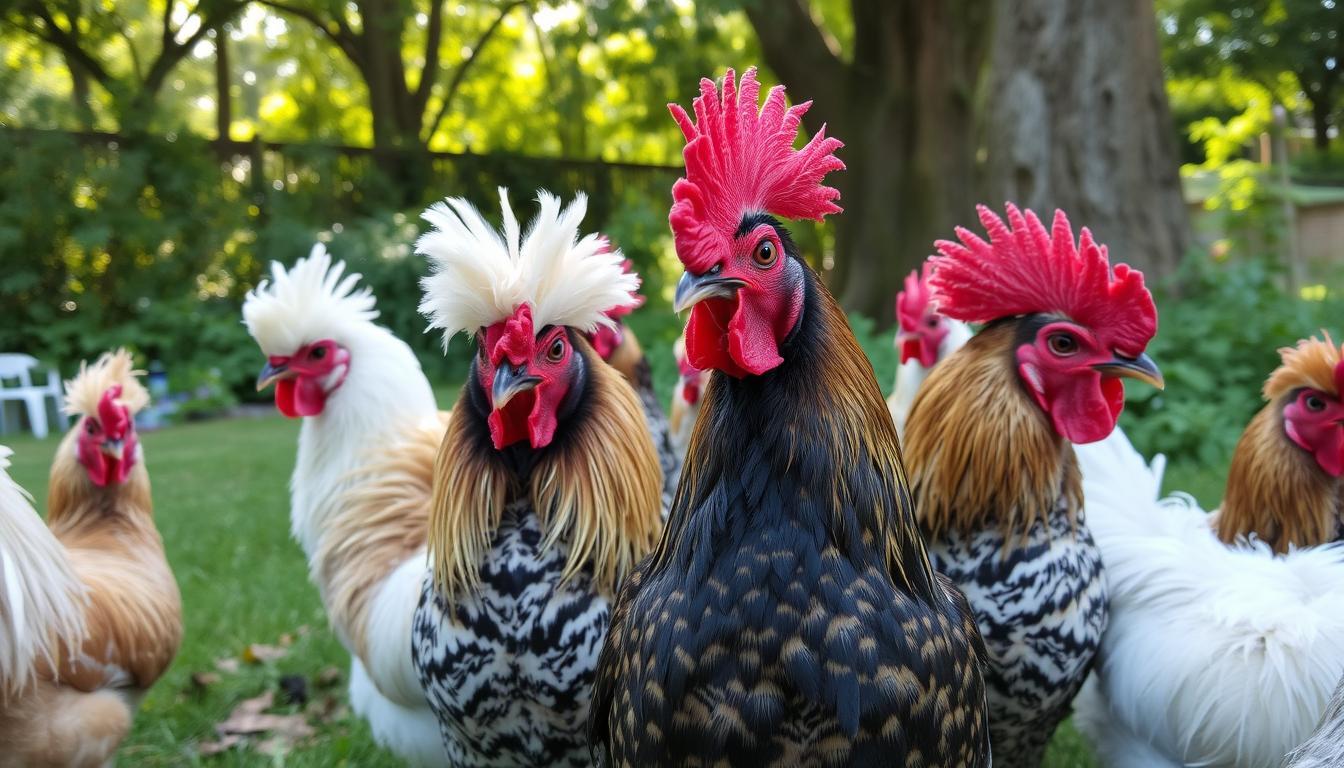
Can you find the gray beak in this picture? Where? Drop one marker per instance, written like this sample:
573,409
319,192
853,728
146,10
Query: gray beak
271,374
693,289
113,448
1142,368
509,381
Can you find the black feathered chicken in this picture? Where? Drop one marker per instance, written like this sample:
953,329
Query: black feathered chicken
789,615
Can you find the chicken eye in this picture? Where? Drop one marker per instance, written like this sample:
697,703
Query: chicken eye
557,350
1313,402
932,322
317,353
765,254
1062,344
90,426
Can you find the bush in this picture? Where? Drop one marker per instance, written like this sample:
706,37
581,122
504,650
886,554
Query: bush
1216,344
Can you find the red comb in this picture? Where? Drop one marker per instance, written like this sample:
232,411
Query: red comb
739,160
911,302
1025,270
1339,376
115,417
517,341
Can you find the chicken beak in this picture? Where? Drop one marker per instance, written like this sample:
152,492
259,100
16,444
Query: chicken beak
693,289
509,381
1142,368
272,373
113,449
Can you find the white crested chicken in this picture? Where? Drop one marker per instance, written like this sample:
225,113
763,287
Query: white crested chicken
360,494
1223,652
989,448
686,395
546,487
98,581
618,346
789,615
924,338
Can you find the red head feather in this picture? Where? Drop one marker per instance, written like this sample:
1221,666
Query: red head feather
1025,270
914,300
740,160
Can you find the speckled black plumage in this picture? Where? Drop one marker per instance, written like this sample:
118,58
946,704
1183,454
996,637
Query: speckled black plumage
790,615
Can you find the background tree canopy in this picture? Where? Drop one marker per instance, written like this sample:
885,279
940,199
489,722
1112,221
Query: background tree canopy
156,154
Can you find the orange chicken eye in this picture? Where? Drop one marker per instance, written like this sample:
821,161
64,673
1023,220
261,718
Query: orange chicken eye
1062,344
557,350
765,254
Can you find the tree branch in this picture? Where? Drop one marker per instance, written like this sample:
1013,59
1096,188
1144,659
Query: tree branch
461,72
343,37
794,46
63,40
429,73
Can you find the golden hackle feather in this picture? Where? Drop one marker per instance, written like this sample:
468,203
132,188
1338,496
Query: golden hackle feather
598,490
979,451
381,521
851,418
1275,490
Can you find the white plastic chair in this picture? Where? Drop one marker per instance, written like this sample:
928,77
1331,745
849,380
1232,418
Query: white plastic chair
19,368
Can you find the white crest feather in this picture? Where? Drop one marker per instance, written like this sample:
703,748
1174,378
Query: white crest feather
479,276
307,302
83,392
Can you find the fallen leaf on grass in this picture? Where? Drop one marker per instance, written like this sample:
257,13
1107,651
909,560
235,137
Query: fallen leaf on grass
203,680
328,677
327,709
257,653
227,664
250,718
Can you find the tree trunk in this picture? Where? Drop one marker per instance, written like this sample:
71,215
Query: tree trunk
905,109
79,94
223,97
1320,121
1077,118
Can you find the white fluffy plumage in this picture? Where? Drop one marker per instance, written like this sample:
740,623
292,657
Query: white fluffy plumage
308,301
41,599
479,276
1215,655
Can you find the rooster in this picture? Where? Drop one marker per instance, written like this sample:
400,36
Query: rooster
546,487
691,384
988,446
1224,655
925,337
359,497
97,579
618,346
789,614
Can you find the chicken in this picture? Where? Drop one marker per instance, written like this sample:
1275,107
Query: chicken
618,346
925,337
546,487
1224,655
360,493
691,384
1325,748
99,576
988,446
789,615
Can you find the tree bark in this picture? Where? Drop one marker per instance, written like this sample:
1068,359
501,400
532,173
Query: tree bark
1321,109
1077,118
905,108
223,96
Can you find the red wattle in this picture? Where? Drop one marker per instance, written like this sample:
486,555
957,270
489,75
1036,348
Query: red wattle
508,425
284,398
913,348
707,337
309,398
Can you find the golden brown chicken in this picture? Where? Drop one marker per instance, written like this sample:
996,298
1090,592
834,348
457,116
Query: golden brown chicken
77,708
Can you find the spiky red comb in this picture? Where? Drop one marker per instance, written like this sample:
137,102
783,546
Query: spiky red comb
1024,270
739,159
911,302
115,417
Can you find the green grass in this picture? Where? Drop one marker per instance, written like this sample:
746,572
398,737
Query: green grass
221,501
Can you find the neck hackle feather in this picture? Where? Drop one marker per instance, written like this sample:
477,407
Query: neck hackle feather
310,301
479,276
1024,270
738,160
1275,490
